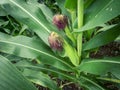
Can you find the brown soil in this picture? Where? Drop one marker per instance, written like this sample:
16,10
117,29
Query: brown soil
110,50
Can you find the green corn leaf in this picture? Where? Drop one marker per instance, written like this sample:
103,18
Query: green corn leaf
42,68
30,14
61,3
47,12
88,3
11,78
101,66
83,81
90,84
40,79
31,48
71,5
109,79
99,12
2,12
71,53
102,38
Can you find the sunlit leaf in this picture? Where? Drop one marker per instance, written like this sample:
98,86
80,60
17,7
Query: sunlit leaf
31,15
31,48
99,12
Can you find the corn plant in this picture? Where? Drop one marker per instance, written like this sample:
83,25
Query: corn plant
62,46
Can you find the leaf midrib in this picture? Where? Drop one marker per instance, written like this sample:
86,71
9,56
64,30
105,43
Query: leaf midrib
103,61
97,13
59,73
92,82
17,44
30,15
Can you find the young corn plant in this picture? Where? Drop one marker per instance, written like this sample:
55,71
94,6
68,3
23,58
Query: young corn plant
62,46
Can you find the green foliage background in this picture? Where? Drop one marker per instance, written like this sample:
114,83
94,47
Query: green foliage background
27,58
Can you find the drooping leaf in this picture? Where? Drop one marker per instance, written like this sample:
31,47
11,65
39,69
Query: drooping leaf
31,48
40,79
11,78
61,4
101,66
103,38
29,14
99,12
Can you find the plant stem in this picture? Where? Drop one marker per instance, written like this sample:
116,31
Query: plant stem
66,84
109,79
80,13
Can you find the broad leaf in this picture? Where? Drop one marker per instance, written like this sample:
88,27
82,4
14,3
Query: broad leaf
31,48
101,66
29,14
11,78
99,12
103,38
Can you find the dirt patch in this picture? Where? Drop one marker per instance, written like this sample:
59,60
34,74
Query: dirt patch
110,50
